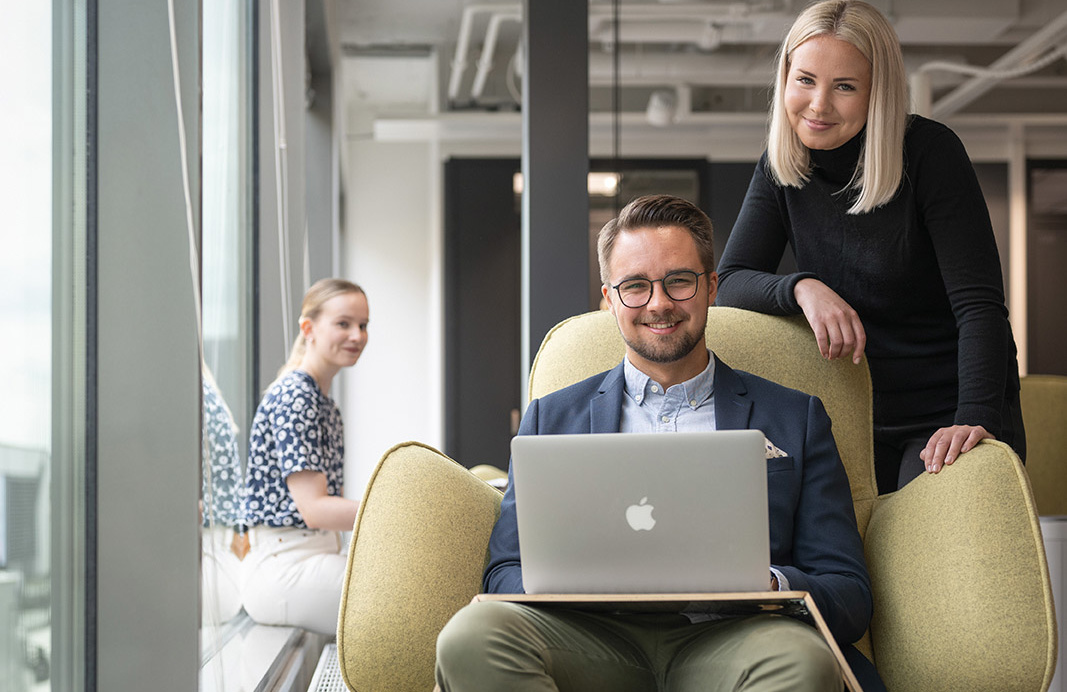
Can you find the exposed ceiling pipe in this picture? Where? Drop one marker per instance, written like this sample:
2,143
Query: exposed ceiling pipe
463,39
709,34
690,10
655,69
704,26
1007,65
485,63
708,24
639,68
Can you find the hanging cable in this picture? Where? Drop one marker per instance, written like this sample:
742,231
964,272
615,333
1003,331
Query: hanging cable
616,103
194,255
281,175
183,156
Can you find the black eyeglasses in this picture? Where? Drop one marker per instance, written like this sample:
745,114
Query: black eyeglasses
680,285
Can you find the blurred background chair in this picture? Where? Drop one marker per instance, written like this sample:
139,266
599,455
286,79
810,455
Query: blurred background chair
1044,404
961,587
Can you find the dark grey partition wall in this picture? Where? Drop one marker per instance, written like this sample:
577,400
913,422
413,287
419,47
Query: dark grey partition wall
142,633
555,166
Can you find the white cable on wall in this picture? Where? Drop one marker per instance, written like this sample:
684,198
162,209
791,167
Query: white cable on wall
183,155
194,258
281,175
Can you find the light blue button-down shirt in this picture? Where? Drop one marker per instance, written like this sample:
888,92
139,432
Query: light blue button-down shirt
685,407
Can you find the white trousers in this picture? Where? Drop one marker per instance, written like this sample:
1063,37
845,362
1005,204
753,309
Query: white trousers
294,577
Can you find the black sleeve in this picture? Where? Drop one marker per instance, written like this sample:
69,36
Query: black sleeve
747,277
954,213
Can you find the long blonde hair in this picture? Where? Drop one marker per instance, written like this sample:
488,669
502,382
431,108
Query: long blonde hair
880,167
317,296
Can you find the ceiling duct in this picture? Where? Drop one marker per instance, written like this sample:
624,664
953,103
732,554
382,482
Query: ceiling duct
732,44
1047,45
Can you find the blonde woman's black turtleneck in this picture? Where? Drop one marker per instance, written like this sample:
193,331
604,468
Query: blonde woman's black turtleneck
922,271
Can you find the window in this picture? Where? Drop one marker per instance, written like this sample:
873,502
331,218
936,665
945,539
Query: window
226,300
26,313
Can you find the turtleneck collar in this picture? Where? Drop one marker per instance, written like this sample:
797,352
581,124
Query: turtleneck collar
838,165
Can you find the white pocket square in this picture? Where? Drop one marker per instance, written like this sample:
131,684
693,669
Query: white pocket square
772,451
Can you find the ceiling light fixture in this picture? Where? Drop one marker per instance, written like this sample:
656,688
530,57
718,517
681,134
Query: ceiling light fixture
662,108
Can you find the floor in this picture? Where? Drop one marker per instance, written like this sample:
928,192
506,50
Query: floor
242,656
328,672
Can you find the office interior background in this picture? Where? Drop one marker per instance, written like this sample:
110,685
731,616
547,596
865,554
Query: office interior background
176,173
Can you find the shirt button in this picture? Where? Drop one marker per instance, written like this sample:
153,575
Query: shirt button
666,419
655,388
693,403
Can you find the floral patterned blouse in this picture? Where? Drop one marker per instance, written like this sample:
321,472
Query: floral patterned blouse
296,428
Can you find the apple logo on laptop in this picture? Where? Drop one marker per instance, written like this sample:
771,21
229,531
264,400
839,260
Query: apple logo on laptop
639,516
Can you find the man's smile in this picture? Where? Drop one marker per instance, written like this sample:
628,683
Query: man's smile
661,323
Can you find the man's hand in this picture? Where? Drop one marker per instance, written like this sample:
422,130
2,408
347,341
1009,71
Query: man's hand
774,582
947,444
837,326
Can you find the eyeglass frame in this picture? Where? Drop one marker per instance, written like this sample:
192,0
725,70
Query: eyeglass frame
652,288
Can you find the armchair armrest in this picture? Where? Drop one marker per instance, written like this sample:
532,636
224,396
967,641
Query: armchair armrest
419,545
962,598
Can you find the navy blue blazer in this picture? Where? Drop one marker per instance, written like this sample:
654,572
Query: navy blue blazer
814,539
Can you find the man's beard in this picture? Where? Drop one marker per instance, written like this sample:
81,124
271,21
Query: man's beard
666,349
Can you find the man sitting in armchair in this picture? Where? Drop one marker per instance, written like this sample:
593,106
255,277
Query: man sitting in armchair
656,263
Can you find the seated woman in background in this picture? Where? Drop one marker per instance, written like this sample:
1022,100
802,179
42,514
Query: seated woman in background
293,502
893,242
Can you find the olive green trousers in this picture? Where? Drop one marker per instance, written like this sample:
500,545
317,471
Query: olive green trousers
497,645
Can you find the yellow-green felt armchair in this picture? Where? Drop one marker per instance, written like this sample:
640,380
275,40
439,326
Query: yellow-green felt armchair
962,599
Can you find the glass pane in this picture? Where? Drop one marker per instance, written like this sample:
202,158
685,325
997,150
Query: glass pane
26,313
226,283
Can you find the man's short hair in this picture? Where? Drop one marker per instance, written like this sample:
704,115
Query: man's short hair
657,211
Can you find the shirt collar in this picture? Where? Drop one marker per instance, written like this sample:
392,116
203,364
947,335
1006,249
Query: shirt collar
697,390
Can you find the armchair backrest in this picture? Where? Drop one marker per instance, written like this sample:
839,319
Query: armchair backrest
781,349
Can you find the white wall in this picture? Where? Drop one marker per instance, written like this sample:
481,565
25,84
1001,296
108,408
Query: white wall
391,247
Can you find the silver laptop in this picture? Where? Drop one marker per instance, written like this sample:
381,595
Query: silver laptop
642,512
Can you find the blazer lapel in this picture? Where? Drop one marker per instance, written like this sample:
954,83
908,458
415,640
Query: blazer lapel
733,408
605,409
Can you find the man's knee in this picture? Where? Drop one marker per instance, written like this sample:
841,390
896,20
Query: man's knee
465,640
468,628
758,653
792,651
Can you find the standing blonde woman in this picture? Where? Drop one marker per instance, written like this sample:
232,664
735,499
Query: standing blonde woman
893,242
293,502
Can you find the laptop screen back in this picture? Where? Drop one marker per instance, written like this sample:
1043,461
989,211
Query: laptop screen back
642,512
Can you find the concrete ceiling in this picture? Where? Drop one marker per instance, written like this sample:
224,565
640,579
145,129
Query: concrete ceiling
710,56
